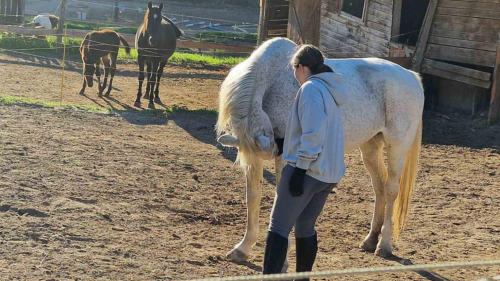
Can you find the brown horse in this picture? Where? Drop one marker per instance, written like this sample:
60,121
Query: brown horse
100,45
155,41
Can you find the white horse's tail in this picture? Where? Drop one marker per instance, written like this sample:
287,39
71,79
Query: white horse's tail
406,184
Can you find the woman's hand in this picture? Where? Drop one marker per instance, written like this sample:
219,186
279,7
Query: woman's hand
297,182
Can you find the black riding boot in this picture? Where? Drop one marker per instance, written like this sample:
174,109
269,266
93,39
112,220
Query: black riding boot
306,249
275,254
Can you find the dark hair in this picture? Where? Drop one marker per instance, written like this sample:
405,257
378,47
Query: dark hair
312,57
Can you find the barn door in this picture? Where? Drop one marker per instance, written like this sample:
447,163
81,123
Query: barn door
304,21
273,19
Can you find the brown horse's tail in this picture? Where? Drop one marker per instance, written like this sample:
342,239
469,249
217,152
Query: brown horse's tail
178,31
125,43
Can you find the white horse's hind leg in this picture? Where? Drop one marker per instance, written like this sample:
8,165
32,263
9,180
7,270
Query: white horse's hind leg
254,177
396,154
373,159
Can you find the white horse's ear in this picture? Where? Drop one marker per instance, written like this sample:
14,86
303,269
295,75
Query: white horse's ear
228,140
264,143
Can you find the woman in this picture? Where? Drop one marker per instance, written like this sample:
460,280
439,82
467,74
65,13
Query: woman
314,151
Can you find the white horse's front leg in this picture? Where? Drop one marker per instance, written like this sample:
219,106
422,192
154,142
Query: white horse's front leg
254,176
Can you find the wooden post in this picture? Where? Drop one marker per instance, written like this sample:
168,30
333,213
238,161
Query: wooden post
2,11
419,55
7,11
20,11
494,114
263,21
116,11
396,20
13,11
60,26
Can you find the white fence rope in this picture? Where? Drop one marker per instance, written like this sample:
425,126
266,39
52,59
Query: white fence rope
356,271
490,279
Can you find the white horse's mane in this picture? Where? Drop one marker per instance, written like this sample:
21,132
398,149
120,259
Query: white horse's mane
237,99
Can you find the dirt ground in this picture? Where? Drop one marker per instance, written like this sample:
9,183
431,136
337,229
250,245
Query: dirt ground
131,196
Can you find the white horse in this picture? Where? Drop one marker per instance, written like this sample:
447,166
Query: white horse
385,109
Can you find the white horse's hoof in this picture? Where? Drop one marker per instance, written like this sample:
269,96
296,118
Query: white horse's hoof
383,253
236,255
368,246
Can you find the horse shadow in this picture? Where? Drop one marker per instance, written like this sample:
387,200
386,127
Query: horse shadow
45,62
432,276
200,124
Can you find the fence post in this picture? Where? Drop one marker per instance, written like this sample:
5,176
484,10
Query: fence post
494,113
116,11
63,61
60,26
20,11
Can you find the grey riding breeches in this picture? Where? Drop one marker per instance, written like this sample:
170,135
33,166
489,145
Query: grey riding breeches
302,211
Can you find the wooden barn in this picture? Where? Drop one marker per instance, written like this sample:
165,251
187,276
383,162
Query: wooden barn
454,43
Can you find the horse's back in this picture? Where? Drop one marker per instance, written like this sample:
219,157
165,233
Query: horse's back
383,97
102,43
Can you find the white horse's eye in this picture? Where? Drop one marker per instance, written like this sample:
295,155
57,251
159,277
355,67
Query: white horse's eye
155,16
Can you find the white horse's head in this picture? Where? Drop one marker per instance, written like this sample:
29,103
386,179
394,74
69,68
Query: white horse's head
242,122
258,139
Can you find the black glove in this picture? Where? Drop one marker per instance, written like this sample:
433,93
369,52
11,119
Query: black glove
297,182
279,143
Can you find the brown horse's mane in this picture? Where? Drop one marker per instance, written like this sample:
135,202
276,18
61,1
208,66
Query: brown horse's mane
145,23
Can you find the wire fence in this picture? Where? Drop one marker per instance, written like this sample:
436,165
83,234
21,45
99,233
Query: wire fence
357,271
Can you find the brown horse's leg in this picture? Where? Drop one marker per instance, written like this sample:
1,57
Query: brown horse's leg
105,62
154,71
140,60
82,91
112,72
158,77
148,86
98,74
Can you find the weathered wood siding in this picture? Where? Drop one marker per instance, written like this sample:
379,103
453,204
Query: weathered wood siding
344,37
465,31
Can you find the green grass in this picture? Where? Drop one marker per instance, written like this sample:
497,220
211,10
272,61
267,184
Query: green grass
26,44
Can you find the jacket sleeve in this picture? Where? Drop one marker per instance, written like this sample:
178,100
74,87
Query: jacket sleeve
313,121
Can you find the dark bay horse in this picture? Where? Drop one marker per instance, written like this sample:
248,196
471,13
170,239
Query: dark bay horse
155,42
96,47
